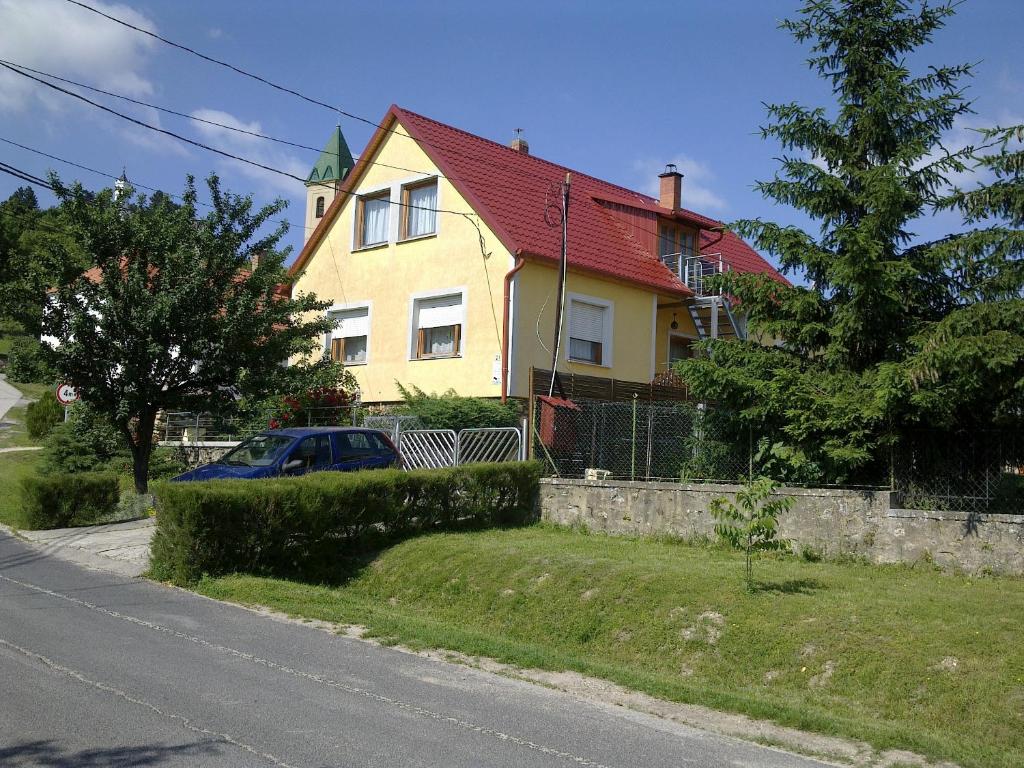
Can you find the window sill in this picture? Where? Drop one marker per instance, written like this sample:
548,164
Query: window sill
434,357
592,364
349,365
417,238
372,247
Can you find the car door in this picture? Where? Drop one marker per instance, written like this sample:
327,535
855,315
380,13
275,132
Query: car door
314,452
356,450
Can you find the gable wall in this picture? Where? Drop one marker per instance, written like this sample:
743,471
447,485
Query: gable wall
386,277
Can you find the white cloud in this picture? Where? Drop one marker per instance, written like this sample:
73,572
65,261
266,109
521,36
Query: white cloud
255,149
697,194
66,40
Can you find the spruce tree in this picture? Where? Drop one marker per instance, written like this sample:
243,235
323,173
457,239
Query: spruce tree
868,345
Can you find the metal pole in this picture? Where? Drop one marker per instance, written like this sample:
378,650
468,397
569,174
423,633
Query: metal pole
562,270
632,464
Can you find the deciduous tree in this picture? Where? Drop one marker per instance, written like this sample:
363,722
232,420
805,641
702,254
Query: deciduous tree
177,308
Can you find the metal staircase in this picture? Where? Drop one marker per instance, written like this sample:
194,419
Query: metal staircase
714,318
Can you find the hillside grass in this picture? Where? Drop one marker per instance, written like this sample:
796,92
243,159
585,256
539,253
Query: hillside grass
899,657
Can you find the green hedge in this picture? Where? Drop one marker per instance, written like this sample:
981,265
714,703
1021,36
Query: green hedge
61,501
305,527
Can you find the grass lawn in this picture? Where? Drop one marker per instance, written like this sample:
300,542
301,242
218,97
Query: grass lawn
898,657
13,467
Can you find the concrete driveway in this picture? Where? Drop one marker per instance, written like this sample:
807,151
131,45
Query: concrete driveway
121,548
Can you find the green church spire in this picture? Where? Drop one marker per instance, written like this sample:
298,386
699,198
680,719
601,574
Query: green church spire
335,161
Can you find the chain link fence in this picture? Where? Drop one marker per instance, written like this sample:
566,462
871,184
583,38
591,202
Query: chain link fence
980,472
639,440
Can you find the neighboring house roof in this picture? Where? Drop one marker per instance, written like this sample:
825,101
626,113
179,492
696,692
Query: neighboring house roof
335,161
514,194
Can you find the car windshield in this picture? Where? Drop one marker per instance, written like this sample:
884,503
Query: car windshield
258,451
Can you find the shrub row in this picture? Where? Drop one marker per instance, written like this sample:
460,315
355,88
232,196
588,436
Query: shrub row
306,527
60,501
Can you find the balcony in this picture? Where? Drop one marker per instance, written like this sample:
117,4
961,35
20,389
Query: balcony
693,271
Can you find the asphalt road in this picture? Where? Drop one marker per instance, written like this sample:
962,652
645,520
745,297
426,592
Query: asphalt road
101,670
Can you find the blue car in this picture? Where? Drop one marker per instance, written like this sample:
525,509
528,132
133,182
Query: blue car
292,452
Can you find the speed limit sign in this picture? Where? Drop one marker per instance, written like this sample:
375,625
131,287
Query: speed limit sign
66,394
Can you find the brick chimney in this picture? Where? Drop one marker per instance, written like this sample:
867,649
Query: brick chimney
519,144
671,188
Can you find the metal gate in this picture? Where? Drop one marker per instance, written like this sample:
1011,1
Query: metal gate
428,448
489,444
436,448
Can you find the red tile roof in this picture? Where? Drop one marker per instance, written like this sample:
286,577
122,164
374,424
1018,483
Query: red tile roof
512,191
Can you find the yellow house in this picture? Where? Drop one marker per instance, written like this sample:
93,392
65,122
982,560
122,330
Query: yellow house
440,250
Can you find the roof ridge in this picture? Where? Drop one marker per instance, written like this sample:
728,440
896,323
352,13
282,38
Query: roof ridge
553,164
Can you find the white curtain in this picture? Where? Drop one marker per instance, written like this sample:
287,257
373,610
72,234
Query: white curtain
375,221
422,216
441,341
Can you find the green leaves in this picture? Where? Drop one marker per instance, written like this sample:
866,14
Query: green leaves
890,332
177,308
751,522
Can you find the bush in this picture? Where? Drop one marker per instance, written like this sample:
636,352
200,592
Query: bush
88,442
27,362
305,527
452,411
43,415
60,501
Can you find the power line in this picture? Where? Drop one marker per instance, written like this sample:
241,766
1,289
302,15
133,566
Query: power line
232,67
336,109
166,110
10,170
152,127
304,97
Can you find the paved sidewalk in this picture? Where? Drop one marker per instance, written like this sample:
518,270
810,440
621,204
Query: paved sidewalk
9,397
121,548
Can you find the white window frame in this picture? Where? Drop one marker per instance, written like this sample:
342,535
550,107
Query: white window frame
337,308
413,329
608,329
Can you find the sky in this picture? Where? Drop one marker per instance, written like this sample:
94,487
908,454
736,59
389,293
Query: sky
612,89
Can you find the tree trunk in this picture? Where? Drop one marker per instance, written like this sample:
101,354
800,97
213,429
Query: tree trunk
142,447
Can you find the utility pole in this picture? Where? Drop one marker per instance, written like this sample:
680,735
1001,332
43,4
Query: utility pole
562,270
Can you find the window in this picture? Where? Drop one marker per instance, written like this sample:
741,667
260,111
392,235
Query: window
354,445
588,329
438,326
320,207
679,348
372,219
350,335
419,214
314,453
673,239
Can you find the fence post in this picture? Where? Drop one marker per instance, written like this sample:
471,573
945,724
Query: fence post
632,462
650,437
750,452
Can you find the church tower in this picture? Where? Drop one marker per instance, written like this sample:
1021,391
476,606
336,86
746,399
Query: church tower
323,182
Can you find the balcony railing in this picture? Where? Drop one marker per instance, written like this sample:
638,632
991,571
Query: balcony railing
693,271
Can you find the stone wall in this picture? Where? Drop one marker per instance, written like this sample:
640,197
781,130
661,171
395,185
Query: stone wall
204,452
828,521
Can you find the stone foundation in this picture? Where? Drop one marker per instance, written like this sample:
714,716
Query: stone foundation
830,522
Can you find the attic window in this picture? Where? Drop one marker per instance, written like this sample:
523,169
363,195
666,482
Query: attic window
372,219
419,209
320,207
